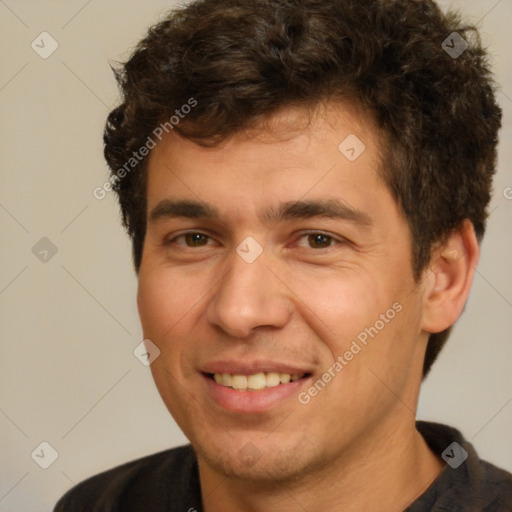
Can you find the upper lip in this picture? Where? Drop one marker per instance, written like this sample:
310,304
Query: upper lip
252,367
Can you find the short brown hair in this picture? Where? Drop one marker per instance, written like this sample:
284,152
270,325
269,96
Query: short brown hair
242,59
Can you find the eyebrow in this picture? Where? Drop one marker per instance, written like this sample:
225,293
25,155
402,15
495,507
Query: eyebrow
327,208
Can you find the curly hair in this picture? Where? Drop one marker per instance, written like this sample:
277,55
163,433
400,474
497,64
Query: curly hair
240,60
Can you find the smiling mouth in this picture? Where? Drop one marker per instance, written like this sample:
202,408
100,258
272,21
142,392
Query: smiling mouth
256,381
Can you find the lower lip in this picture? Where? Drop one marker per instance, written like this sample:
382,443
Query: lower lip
253,401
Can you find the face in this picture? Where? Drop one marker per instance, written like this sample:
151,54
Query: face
275,262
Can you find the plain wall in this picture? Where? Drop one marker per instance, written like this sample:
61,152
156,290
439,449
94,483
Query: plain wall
69,325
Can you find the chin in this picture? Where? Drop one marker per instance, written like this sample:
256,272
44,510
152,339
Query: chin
260,461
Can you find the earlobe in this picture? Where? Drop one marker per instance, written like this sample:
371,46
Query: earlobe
448,279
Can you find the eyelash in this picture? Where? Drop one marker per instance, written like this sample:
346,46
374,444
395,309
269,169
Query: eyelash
332,238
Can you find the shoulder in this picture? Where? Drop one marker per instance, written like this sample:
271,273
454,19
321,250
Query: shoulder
155,482
496,487
466,481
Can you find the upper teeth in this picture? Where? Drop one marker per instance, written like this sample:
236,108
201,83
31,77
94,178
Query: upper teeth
256,381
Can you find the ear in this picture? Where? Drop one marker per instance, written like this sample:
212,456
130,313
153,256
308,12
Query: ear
447,281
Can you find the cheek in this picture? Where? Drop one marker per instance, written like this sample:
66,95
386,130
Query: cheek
382,351
344,302
163,301
373,322
166,314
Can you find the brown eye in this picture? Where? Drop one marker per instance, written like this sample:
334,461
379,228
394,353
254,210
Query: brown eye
319,240
192,239
195,239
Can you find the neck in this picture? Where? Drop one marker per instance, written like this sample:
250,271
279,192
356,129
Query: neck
386,471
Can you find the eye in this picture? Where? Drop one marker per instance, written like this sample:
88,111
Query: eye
311,240
317,240
191,239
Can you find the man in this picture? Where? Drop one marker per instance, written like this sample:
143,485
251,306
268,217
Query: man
305,183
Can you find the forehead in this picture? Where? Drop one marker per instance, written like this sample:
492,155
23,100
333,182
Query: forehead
332,153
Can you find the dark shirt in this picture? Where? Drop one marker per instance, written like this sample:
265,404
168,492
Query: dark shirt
169,482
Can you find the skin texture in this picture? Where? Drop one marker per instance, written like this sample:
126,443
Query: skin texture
354,445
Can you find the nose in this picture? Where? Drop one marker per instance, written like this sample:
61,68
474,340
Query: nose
249,296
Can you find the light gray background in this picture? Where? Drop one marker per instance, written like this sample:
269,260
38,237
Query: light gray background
69,325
